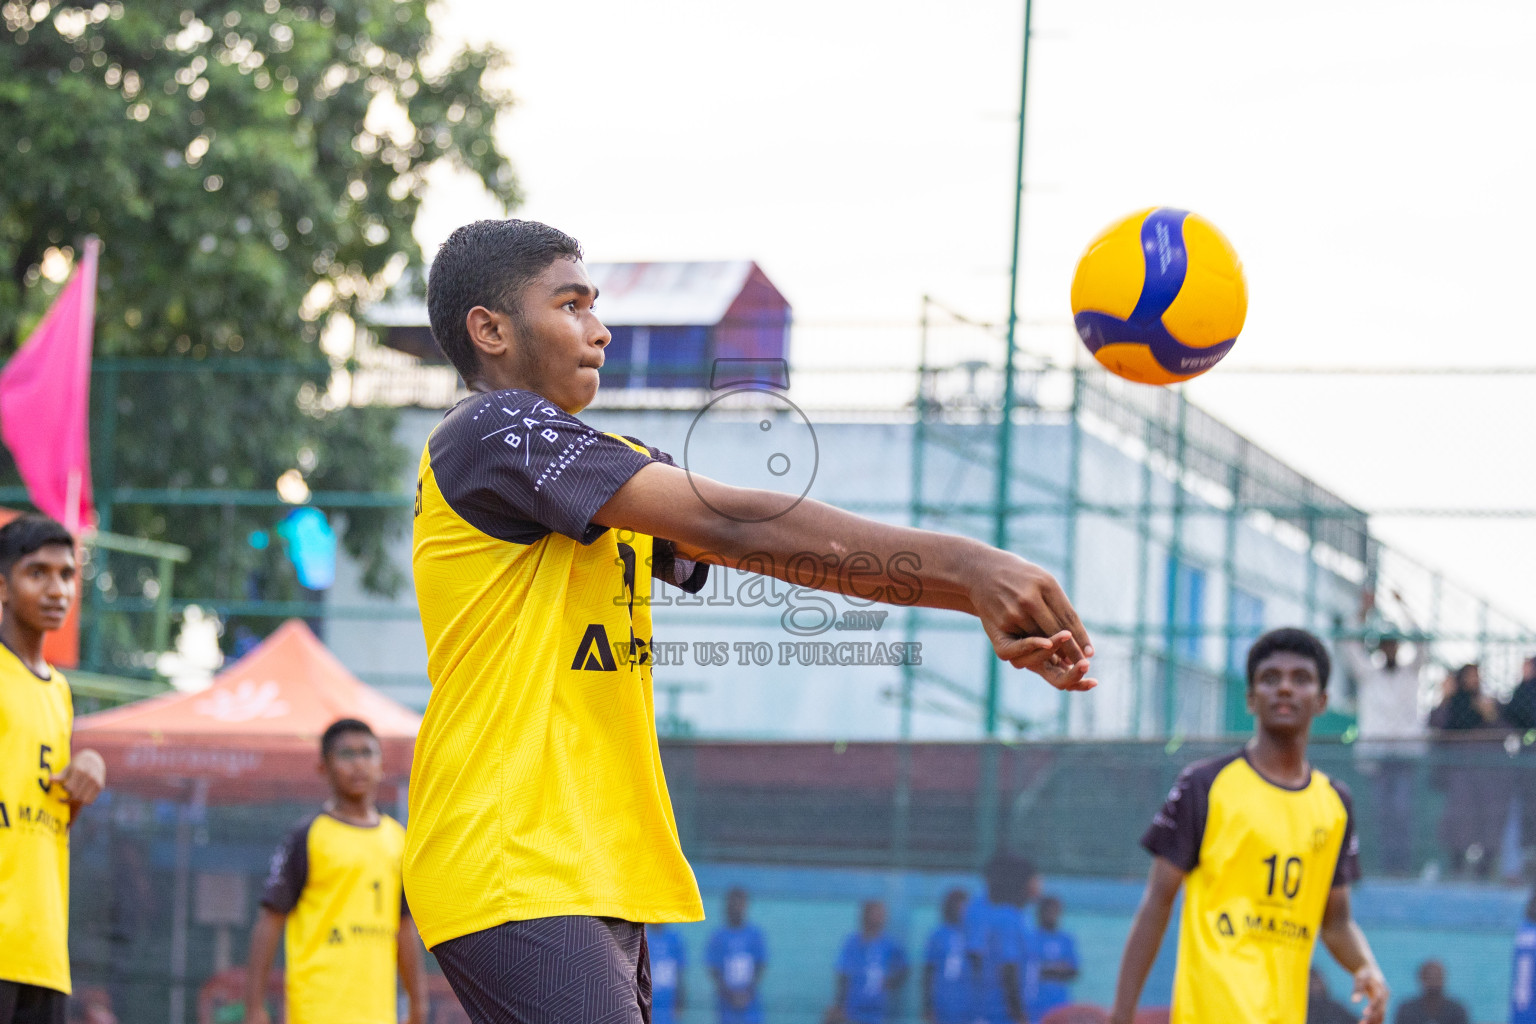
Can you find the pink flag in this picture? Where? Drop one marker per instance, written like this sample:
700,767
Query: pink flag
45,401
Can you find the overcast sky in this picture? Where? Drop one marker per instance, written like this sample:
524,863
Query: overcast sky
1372,162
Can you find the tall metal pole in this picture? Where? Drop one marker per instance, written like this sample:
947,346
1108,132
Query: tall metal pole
1005,426
987,804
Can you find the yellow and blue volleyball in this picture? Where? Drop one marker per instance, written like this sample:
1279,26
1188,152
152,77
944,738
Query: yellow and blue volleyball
1159,296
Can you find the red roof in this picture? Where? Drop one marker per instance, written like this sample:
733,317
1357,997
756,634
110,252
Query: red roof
255,733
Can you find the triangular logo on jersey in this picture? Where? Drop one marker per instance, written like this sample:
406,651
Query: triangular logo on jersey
1224,926
334,939
5,819
594,654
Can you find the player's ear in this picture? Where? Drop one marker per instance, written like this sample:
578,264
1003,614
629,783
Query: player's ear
1248,699
489,331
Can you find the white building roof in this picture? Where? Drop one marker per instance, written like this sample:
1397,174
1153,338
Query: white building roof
630,294
667,294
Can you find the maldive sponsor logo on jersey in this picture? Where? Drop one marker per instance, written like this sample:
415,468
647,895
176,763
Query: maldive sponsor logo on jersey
36,819
596,654
1271,928
371,931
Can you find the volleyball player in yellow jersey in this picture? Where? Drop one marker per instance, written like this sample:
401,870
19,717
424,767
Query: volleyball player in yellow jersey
334,894
541,832
42,787
1264,846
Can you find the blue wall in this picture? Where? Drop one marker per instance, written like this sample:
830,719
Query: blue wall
806,912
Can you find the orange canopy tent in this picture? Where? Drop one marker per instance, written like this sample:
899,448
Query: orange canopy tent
254,735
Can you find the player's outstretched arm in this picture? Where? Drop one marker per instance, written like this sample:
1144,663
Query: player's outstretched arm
413,970
1147,929
1349,947
264,939
1023,610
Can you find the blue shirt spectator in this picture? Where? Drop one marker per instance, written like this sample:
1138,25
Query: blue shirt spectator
871,968
994,942
947,982
1522,996
669,958
737,956
1051,962
995,930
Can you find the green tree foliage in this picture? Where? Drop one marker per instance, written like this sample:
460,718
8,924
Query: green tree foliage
252,167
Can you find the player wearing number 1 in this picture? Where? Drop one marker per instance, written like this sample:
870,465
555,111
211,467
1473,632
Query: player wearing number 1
1265,847
334,894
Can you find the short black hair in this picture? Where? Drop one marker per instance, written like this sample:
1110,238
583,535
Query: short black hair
339,728
1008,876
487,263
28,533
1289,640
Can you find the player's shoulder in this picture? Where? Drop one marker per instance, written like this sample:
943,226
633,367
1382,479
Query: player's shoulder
1202,774
304,824
293,850
489,410
1338,786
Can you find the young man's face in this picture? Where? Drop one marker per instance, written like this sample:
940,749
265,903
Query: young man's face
736,909
557,340
872,919
354,767
40,588
1286,693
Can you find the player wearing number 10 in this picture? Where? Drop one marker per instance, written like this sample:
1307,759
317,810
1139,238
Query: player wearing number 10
334,894
1267,847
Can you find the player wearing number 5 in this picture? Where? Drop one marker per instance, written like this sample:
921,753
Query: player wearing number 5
334,894
41,787
1267,847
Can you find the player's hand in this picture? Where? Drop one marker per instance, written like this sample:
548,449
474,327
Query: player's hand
417,1014
257,1015
83,779
1030,621
1371,987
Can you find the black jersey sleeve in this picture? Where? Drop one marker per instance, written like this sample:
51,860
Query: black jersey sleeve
1348,868
288,872
519,468
1178,828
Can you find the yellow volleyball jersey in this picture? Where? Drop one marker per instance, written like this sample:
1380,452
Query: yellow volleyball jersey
36,716
1260,860
537,787
339,884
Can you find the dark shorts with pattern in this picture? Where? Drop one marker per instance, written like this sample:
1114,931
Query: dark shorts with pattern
552,970
31,1004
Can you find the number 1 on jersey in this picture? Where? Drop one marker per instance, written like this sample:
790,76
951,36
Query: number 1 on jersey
1290,875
